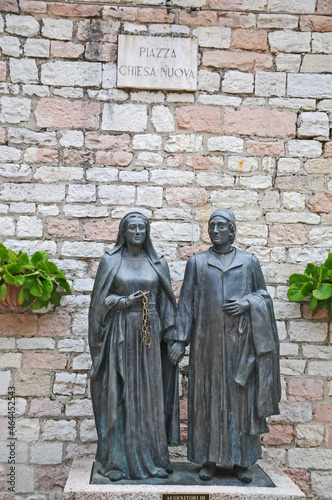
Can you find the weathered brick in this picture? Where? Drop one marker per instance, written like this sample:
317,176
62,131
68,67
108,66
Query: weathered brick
52,477
123,13
46,453
309,149
288,62
313,125
307,6
300,389
98,30
59,29
324,7
62,228
63,113
244,61
147,15
309,85
201,118
66,50
124,117
82,249
316,23
22,25
260,122
3,71
118,158
289,41
328,149
33,6
270,84
237,82
214,36
101,230
319,459
316,63
300,478
185,196
18,325
45,407
323,412
264,148
104,52
75,10
238,4
23,70
32,383
45,361
277,21
9,6
249,40
279,434
202,18
236,20
320,203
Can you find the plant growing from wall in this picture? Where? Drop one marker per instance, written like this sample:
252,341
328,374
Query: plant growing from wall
36,278
316,282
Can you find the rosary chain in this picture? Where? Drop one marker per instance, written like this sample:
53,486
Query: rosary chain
146,327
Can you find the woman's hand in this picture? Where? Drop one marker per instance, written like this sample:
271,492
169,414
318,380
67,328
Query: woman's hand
237,307
175,351
134,298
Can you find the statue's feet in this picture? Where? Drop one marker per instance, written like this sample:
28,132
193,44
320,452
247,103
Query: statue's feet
207,471
161,474
243,474
115,475
169,468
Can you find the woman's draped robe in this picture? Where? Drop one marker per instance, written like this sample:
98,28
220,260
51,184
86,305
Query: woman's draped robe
133,388
234,379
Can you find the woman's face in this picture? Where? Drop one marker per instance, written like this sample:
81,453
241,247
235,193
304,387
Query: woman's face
135,232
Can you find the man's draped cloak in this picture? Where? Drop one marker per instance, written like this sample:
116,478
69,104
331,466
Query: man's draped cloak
234,377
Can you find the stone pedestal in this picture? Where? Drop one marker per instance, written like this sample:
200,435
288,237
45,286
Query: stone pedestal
78,486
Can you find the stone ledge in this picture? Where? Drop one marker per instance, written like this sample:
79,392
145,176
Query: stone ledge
78,487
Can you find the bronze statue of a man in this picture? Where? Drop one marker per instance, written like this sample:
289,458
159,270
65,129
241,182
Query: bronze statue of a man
226,315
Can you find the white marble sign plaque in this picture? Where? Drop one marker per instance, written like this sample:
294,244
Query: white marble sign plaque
150,62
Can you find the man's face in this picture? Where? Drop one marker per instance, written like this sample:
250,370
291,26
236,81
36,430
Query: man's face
219,232
136,231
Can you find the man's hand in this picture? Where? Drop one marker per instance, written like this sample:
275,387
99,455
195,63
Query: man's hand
237,307
175,351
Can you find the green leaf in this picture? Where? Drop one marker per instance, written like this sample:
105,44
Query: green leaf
65,285
12,256
39,304
14,269
295,292
55,297
328,262
19,280
322,304
4,253
28,282
312,270
37,256
52,268
8,278
313,302
24,260
36,288
42,266
47,285
324,292
3,292
307,288
298,278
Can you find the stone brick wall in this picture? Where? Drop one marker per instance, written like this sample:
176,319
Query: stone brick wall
77,153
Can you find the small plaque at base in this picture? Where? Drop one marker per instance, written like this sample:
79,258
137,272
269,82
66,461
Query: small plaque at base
184,496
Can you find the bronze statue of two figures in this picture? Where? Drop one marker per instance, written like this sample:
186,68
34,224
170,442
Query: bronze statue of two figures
137,337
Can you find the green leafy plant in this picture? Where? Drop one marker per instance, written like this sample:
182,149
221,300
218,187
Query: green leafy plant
36,278
315,282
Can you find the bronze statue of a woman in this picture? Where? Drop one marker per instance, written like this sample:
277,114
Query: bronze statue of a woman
133,384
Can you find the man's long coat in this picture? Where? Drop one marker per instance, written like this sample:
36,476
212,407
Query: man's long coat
234,378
